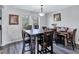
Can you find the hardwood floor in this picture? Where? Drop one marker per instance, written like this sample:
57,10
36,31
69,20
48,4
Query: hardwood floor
60,49
16,48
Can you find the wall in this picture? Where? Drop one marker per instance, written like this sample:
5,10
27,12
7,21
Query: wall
70,18
0,16
0,12
0,24
12,33
43,21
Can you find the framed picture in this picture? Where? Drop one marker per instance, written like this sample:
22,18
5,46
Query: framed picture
57,17
13,19
0,18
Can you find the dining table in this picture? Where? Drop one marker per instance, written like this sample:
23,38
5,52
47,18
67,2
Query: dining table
34,33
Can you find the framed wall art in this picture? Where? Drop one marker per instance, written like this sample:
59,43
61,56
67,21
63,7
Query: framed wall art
57,17
13,19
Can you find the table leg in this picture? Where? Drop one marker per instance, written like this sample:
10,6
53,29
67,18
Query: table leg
36,45
65,41
32,45
52,47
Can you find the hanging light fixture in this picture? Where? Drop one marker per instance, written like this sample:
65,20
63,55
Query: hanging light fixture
41,13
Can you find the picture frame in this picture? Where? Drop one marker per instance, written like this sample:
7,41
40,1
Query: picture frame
0,18
13,19
57,17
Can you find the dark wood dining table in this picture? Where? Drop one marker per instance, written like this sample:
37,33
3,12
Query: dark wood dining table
34,33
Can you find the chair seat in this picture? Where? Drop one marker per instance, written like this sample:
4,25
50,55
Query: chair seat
27,38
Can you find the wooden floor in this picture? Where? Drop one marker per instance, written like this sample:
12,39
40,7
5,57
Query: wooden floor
16,48
60,49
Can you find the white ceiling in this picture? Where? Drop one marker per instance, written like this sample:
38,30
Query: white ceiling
46,8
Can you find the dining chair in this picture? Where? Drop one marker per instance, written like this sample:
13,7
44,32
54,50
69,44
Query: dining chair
71,38
62,29
26,41
47,42
44,27
36,26
29,27
41,37
57,37
61,37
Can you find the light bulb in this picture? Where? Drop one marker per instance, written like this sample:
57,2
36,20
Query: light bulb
41,14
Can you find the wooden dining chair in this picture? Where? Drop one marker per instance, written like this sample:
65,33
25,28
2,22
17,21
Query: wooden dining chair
57,37
26,40
41,37
44,27
54,35
47,42
71,38
60,38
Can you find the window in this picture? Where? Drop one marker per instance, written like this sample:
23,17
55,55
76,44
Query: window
32,21
25,21
35,22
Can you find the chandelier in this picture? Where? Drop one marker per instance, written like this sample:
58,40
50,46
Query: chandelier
41,13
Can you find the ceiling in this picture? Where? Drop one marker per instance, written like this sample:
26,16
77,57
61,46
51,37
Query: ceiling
46,8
